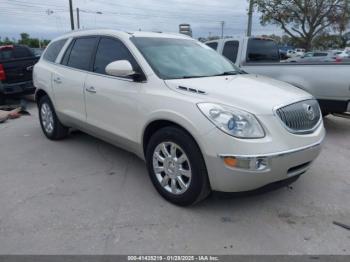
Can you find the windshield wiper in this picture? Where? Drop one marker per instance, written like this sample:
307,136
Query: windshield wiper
227,73
193,76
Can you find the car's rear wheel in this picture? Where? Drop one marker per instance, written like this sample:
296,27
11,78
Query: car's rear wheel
50,124
176,166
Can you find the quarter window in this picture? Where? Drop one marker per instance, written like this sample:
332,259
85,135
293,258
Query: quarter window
231,50
53,50
81,54
110,50
213,45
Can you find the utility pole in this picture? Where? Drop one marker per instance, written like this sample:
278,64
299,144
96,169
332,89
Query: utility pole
78,18
222,29
250,17
71,14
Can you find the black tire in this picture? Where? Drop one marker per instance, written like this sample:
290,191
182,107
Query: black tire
324,113
199,187
59,131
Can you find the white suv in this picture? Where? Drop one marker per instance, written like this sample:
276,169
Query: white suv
199,122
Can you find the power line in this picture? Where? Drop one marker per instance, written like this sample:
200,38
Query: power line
32,4
188,16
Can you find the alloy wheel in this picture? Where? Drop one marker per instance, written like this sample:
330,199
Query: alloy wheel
172,167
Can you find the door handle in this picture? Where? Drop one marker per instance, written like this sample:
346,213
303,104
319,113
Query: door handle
57,80
91,89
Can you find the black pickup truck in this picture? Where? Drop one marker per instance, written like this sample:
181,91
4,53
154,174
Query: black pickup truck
16,66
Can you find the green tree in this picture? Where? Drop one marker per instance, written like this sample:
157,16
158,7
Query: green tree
7,41
24,39
326,41
303,20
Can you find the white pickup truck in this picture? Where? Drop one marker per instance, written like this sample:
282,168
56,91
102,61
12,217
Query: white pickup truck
328,82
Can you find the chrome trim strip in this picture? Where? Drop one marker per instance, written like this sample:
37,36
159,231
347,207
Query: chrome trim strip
277,154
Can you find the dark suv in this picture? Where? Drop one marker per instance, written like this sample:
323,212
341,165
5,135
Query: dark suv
16,66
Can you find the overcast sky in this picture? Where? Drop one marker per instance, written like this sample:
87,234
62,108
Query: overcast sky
50,18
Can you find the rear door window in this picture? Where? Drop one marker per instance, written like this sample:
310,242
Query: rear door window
53,50
230,50
21,52
262,50
81,54
213,45
110,50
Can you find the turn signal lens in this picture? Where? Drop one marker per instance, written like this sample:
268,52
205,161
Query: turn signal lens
230,161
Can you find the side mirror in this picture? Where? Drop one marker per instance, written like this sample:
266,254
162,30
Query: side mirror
120,68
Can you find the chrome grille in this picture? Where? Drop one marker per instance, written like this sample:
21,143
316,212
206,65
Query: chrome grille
300,117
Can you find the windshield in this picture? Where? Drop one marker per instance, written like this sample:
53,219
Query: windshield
172,58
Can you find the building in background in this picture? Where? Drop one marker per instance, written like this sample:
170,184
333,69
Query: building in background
185,29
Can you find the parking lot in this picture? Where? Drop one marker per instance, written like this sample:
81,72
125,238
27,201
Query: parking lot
84,196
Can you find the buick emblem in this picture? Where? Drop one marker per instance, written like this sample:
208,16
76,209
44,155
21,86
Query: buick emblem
310,113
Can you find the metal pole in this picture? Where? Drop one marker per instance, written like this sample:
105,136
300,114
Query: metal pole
222,29
71,14
250,17
78,18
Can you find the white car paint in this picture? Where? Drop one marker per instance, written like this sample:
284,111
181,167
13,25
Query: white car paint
120,110
328,82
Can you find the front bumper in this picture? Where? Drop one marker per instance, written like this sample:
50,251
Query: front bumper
279,166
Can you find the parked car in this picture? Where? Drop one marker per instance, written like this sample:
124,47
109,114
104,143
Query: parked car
291,53
328,82
326,56
283,54
283,49
299,51
16,66
198,121
344,54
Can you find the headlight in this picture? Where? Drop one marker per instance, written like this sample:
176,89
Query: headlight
232,121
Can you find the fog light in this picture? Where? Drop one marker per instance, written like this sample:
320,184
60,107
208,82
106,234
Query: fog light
261,163
247,163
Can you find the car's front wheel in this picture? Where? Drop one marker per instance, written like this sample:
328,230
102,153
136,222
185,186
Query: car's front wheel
176,166
50,124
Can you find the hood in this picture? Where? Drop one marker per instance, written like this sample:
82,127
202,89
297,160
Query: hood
252,93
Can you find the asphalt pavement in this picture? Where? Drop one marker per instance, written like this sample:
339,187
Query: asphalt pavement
84,196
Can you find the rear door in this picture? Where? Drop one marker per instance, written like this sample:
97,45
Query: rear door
68,79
